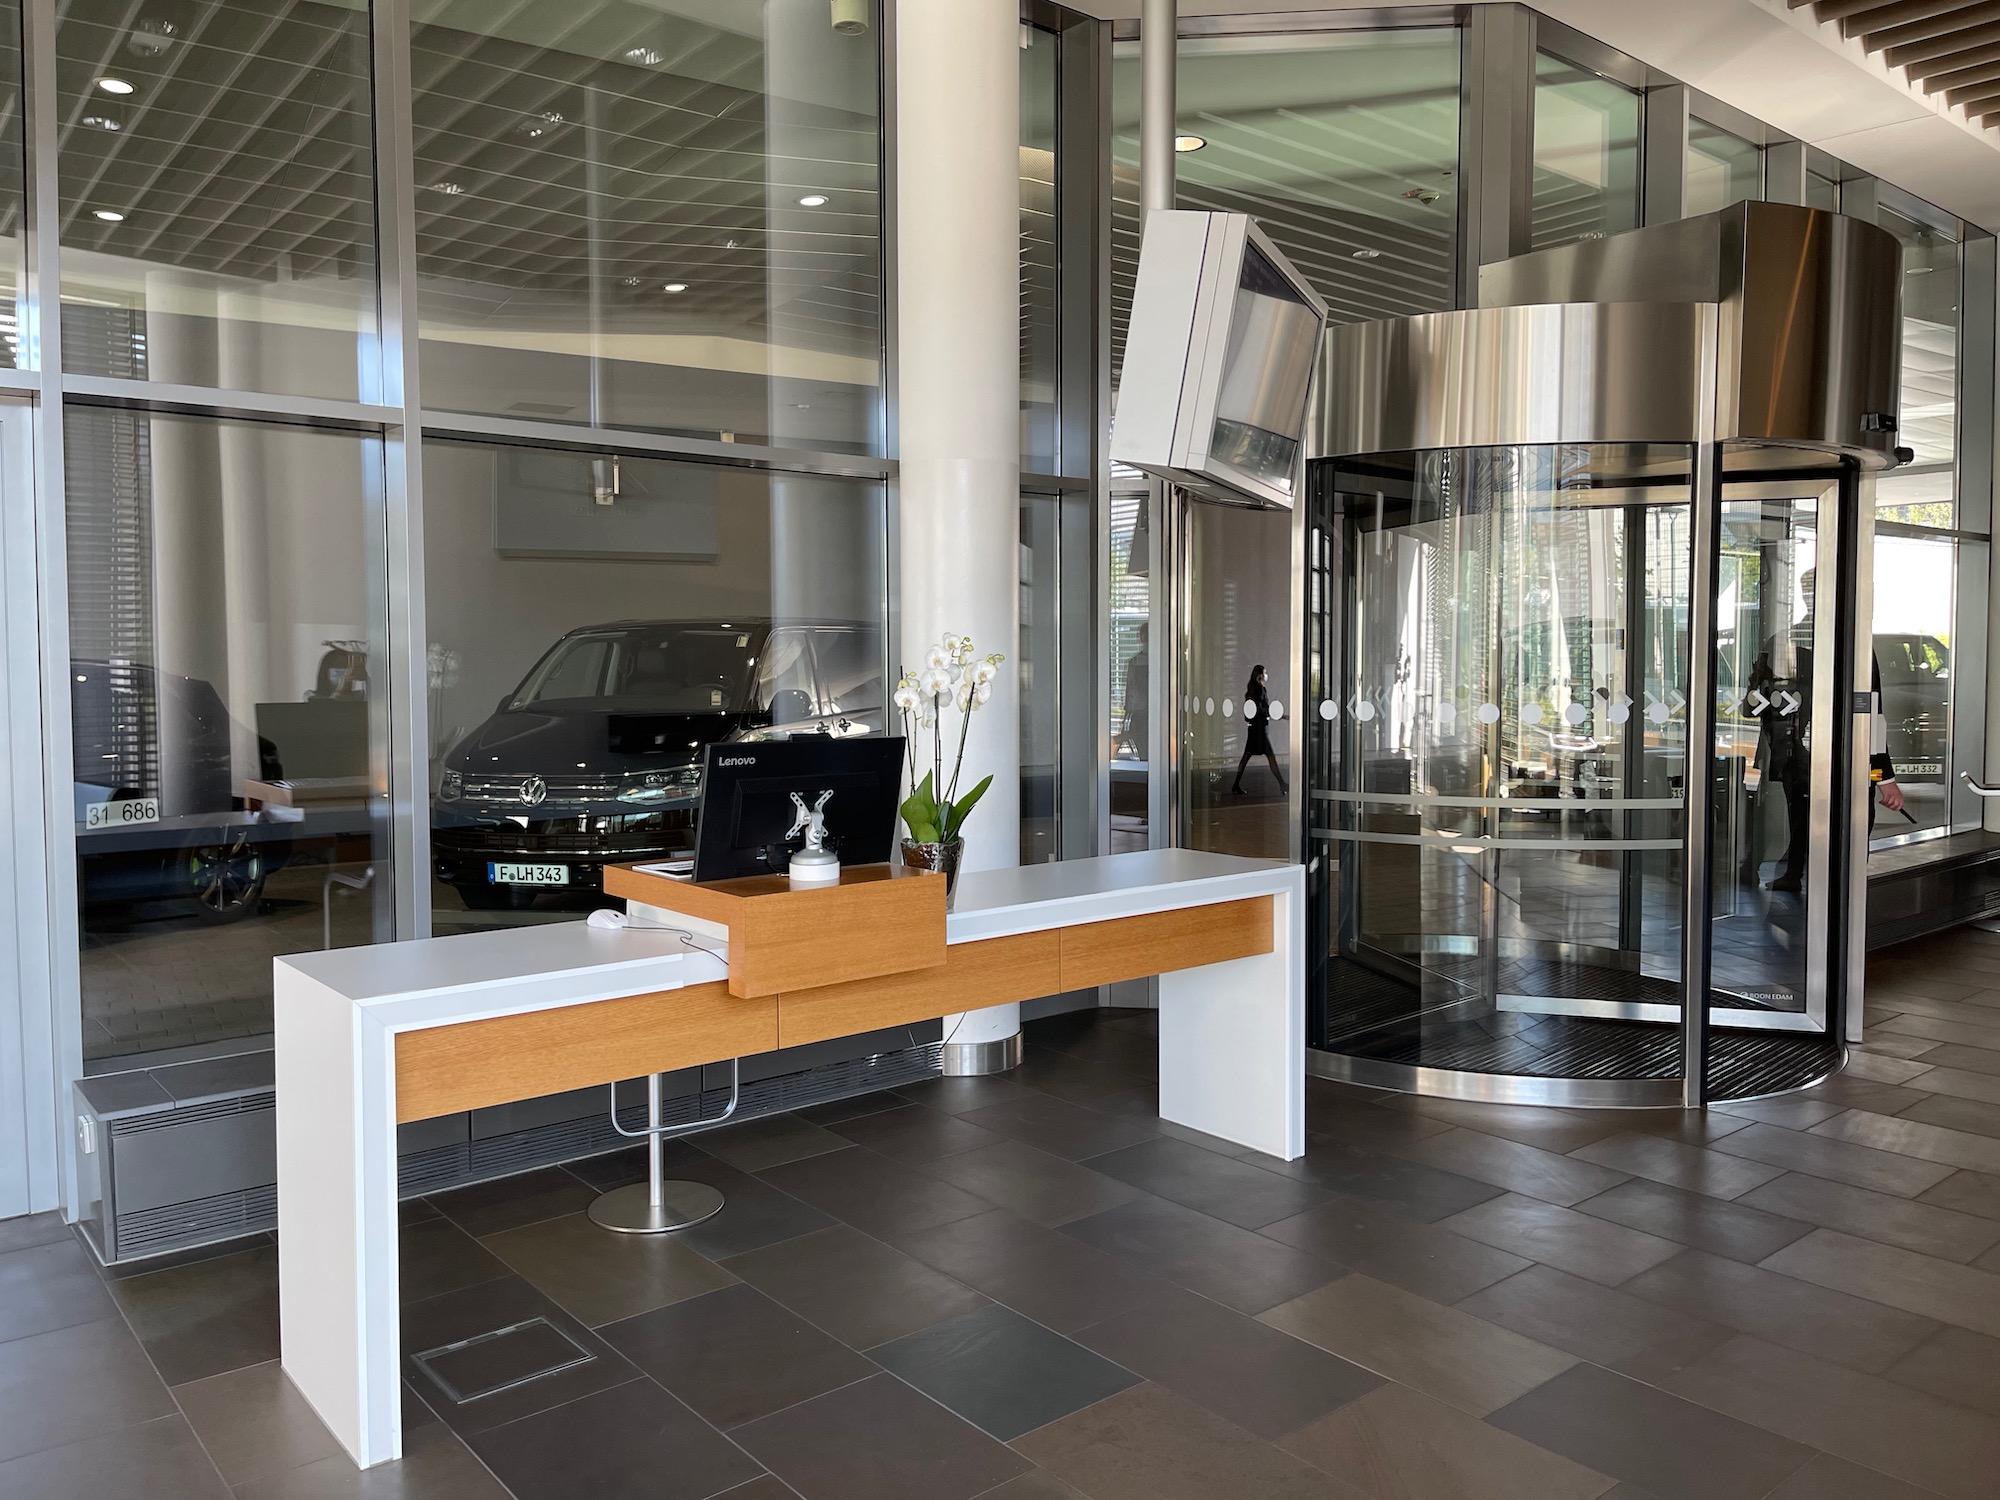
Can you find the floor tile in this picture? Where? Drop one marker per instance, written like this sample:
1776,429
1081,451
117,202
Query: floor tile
1047,1189
854,1287
1972,1059
1054,1279
1078,1080
1234,1266
1368,1127
1830,1478
1669,1447
1561,1237
1877,1216
1788,1111
873,1193
832,1447
1955,1112
76,1382
735,1355
1862,1063
1420,1258
1057,1126
435,1256
1003,1373
48,1286
598,1276
1957,1364
1398,1444
1932,1143
1909,1047
1695,1126
1851,1092
1557,1130
1460,1359
1852,1331
1611,1328
754,1213
201,1319
1263,1380
1677,1164
1823,1156
156,1460
254,1423
436,1465
915,1134
1862,1418
768,1141
631,1442
1224,1188
957,1096
1958,1083
509,1202
1958,1032
1512,1165
771,1487
29,1230
1149,1444
1966,1193
1693,1219
1036,1484
486,1308
1415,1190
1922,1284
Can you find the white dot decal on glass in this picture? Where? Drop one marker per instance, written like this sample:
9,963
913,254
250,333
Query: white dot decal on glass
1249,710
1364,711
1620,712
1277,710
1659,713
1575,714
1489,713
1447,715
1531,713
1210,708
1328,709
1228,707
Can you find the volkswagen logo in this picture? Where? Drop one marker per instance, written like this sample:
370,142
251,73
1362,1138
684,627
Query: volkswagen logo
533,790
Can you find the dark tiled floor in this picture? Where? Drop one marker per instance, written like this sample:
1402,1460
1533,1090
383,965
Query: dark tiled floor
1045,1294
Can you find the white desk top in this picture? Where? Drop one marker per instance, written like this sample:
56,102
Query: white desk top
443,981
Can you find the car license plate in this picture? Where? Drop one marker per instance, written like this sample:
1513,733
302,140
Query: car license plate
501,874
122,814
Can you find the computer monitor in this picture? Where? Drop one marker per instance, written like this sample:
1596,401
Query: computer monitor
747,810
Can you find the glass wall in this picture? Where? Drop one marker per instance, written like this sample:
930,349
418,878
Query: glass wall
1586,154
1721,169
651,216
225,641
216,179
1040,350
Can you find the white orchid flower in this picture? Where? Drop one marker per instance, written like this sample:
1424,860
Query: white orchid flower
985,671
935,658
983,692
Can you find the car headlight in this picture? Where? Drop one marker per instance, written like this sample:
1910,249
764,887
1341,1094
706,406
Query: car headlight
652,788
451,786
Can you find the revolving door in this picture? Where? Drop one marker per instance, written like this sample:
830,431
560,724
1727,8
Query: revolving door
1503,659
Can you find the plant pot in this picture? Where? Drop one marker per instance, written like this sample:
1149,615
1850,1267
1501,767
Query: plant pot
942,858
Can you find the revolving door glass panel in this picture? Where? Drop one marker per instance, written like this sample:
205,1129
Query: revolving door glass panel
1498,661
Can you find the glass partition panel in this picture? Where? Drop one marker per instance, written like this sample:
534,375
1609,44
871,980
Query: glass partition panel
1721,169
13,183
661,215
1586,154
595,623
1915,585
225,592
1822,192
217,191
1130,668
1923,492
1039,351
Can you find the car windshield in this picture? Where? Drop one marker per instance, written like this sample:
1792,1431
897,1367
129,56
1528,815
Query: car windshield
672,669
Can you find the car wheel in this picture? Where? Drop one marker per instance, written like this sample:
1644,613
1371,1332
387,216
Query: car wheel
482,897
228,880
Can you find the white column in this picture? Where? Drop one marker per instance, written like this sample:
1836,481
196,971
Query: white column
959,314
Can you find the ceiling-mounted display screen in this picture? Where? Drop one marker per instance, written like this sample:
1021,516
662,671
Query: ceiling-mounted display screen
1218,360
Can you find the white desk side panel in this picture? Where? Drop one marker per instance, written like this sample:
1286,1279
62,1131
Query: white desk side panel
337,1243
1233,1039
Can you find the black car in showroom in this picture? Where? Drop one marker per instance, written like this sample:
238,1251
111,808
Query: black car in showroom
596,757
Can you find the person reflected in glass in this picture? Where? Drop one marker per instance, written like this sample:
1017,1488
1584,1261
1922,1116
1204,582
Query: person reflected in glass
1779,697
1138,695
1257,741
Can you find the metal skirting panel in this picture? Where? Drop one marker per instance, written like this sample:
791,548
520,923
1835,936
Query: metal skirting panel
1930,898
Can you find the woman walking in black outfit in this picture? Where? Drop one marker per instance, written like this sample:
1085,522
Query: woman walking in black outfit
1257,699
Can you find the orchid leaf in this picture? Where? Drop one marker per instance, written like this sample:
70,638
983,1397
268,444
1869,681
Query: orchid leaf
956,813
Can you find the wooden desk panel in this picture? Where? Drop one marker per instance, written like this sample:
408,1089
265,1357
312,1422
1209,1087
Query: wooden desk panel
992,972
1134,947
445,1069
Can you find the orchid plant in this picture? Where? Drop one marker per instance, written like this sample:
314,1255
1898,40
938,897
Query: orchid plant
953,676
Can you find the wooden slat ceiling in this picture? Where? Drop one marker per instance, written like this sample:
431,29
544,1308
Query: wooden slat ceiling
1948,48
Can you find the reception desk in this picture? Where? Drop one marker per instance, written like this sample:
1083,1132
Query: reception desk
368,1038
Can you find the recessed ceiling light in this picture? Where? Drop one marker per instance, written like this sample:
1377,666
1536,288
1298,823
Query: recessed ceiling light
103,122
645,57
115,86
1919,270
675,286
1187,143
108,215
449,189
1367,254
633,280
813,200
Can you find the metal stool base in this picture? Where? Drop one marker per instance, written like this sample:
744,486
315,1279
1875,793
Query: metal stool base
631,1210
